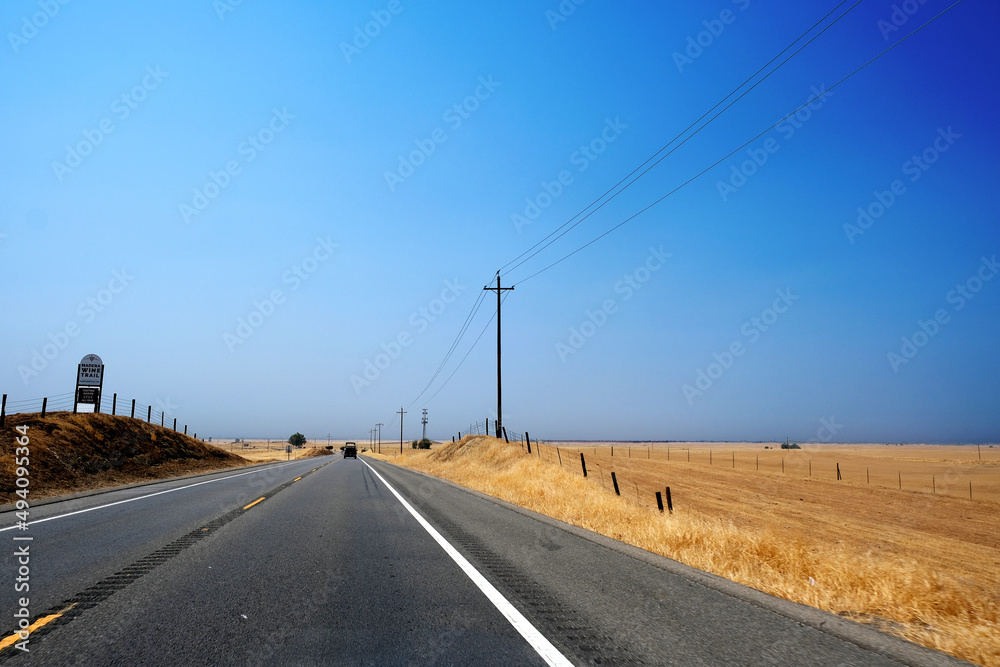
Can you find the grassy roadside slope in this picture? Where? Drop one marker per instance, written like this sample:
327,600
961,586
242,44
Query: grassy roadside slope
900,594
72,453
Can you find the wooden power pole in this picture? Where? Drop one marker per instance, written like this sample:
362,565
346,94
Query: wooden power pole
401,413
499,290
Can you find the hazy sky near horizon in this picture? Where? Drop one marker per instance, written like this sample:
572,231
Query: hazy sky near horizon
276,217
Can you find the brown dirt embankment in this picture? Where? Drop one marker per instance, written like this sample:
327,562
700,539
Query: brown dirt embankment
70,453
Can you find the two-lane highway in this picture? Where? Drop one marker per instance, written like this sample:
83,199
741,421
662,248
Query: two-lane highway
360,562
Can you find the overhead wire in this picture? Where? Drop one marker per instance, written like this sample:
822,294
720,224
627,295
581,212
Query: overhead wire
469,350
476,306
682,133
742,146
454,345
480,300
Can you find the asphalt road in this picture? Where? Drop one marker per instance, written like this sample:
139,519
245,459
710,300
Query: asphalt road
333,567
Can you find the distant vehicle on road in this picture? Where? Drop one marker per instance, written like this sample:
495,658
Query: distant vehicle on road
351,450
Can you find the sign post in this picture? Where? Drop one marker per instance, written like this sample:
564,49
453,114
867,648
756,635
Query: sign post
89,382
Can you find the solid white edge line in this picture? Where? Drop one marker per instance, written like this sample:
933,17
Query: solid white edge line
158,493
549,653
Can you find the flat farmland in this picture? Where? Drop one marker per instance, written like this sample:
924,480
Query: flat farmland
946,470
922,562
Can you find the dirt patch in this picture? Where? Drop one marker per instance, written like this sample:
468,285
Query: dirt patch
72,453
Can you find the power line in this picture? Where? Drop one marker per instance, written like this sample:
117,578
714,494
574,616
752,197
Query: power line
454,345
466,354
741,147
681,134
476,306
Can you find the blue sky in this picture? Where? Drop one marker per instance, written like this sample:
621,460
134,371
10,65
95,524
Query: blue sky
263,202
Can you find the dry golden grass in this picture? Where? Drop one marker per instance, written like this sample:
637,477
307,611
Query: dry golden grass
923,567
260,451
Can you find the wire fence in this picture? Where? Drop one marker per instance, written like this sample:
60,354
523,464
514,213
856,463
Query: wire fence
489,427
112,405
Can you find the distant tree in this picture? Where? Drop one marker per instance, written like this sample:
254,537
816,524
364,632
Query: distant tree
297,440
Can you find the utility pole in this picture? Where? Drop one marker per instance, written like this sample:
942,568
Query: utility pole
379,425
401,413
499,290
424,422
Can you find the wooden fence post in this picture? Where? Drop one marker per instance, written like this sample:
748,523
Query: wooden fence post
659,501
185,429
149,413
528,439
45,405
614,480
175,426
3,411
583,462
838,473
670,503
505,439
114,404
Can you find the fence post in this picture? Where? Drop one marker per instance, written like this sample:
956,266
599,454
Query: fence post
504,429
560,465
3,411
185,429
612,450
838,472
133,408
114,403
659,501
670,503
149,413
175,425
614,480
162,417
583,462
45,404
528,438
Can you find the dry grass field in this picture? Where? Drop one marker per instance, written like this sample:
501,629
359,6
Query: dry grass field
263,451
922,562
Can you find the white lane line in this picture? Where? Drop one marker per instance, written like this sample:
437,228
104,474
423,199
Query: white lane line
158,493
549,653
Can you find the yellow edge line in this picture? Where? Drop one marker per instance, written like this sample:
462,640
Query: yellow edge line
296,479
13,639
253,503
